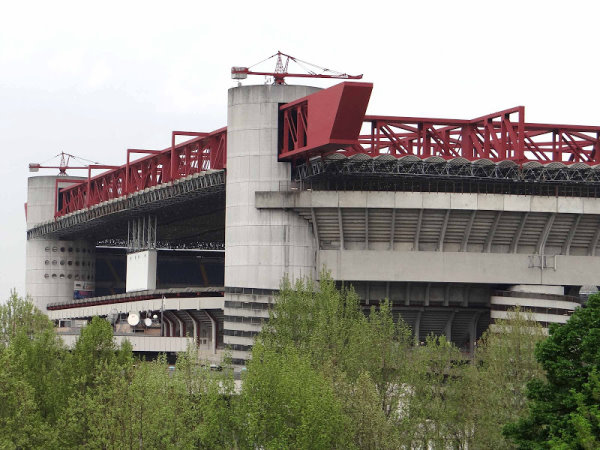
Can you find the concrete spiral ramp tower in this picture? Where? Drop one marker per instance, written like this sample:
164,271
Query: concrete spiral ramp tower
262,246
54,267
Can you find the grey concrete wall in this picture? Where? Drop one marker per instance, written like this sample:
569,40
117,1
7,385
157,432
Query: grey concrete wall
41,198
457,267
427,200
261,246
52,266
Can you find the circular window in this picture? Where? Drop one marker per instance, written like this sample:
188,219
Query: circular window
70,249
54,249
47,249
77,250
70,263
69,276
53,275
62,249
46,275
54,262
62,275
47,262
77,263
77,276
62,262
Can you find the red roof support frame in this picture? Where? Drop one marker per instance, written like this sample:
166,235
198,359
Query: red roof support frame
333,121
324,121
205,151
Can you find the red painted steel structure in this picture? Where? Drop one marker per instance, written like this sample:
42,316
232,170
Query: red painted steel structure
326,122
205,151
333,121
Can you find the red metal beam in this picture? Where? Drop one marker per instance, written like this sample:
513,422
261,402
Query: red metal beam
333,120
324,121
500,136
205,151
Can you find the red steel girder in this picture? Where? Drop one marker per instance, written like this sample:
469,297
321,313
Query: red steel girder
333,120
205,151
326,122
498,137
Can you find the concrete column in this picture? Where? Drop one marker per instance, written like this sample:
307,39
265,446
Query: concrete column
56,270
261,246
213,328
180,323
170,328
196,324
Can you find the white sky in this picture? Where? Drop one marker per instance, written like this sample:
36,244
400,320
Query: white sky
93,79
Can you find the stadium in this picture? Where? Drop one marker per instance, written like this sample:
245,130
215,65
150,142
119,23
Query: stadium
455,221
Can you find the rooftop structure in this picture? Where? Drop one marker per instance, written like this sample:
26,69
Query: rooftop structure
454,221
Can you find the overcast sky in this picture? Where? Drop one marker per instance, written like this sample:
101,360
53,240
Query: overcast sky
94,78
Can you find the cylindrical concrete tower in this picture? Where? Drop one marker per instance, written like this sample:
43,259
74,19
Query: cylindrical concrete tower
547,304
261,246
53,267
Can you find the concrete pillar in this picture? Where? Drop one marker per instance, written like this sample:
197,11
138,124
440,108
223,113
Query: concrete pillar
180,323
261,246
213,328
169,332
56,270
196,325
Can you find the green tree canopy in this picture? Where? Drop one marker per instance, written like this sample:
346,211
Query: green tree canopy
564,409
19,315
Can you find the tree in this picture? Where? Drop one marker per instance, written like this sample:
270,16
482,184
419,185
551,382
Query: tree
288,404
31,366
211,415
495,383
19,315
97,374
563,409
430,412
364,358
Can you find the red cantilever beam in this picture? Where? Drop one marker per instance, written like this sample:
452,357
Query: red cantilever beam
204,151
503,135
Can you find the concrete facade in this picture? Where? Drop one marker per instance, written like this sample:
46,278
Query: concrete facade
261,246
52,266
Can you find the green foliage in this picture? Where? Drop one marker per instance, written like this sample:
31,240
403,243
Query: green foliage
325,373
503,365
18,315
32,393
393,392
288,404
322,332
563,409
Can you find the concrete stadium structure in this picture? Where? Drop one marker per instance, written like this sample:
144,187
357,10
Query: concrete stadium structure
454,221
